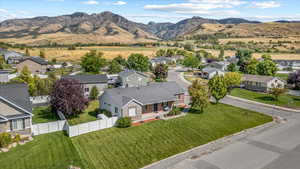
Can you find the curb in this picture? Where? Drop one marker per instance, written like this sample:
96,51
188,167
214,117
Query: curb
263,104
181,76
213,143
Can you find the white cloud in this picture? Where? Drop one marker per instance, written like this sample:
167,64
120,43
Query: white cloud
275,18
3,10
200,7
266,4
90,2
120,3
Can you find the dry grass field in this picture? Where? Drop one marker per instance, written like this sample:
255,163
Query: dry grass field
260,39
110,52
283,56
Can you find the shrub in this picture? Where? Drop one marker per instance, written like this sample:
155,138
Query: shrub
124,122
175,111
5,139
17,138
105,112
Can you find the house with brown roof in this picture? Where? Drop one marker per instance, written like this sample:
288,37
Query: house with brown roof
36,65
15,109
261,83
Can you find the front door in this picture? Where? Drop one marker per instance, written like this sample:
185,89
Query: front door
155,107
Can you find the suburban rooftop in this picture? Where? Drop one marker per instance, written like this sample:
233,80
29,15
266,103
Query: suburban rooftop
88,79
152,93
257,78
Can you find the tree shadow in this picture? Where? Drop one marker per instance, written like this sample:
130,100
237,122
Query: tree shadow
94,112
266,98
194,111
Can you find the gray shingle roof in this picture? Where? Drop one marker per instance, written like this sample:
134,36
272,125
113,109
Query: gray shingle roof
257,78
127,73
38,60
153,93
17,94
9,54
89,79
210,69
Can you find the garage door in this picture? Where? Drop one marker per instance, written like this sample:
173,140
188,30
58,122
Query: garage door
132,112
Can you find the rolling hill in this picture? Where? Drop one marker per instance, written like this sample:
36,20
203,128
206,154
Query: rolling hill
107,27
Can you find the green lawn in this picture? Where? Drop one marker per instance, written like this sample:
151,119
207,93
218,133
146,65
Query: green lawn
43,114
138,146
284,100
49,151
89,114
133,147
282,76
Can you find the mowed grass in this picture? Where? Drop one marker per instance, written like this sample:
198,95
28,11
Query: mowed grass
43,114
133,147
138,146
89,114
49,151
283,100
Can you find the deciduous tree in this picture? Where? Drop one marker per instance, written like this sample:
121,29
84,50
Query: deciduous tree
217,87
277,91
251,67
92,62
138,62
191,62
232,80
294,79
267,66
232,67
199,95
161,71
114,67
94,93
68,97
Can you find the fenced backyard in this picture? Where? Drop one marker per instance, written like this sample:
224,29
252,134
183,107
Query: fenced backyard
73,130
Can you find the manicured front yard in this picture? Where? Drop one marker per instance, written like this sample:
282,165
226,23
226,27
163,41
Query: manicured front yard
49,151
136,147
282,76
89,114
284,100
43,114
133,147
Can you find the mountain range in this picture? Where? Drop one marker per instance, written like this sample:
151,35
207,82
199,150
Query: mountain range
107,27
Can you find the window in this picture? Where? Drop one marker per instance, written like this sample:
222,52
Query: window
86,89
116,110
17,124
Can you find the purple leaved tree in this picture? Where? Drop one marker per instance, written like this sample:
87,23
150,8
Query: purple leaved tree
67,97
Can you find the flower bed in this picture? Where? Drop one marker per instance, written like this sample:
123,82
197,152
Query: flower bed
8,141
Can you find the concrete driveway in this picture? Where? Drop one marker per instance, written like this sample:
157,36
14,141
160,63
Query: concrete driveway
273,147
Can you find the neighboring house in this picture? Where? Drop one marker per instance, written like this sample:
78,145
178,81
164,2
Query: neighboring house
261,83
11,57
162,60
220,65
15,109
4,76
132,78
210,72
143,102
36,65
88,81
281,64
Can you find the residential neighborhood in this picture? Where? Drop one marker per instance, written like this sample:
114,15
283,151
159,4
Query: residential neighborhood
186,84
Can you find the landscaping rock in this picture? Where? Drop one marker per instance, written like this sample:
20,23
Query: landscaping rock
4,149
74,167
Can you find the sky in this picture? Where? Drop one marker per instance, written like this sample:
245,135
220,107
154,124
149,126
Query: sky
156,10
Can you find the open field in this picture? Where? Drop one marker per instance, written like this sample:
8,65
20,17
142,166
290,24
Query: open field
110,52
283,56
283,100
133,147
260,39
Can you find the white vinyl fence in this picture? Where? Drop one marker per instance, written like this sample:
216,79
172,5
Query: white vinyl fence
43,128
83,128
40,99
75,130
